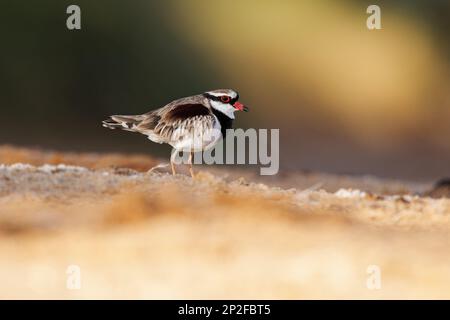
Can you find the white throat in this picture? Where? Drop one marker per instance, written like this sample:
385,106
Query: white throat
226,109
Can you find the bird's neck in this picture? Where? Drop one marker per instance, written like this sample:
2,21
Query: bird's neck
225,121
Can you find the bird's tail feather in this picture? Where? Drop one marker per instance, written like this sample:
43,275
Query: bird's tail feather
127,123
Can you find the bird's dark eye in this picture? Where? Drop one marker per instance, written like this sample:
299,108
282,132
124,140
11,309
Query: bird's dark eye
225,99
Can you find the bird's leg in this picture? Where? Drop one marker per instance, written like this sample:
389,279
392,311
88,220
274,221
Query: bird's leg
159,166
172,164
191,169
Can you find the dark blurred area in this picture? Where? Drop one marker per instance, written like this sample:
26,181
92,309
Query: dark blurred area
346,99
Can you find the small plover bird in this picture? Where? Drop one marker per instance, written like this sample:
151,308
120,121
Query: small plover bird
188,124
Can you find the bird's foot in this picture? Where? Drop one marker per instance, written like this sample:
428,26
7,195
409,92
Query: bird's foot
159,166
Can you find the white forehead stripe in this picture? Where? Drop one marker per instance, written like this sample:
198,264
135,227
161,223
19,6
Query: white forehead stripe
230,93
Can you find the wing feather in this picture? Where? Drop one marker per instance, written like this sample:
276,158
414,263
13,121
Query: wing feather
172,122
178,119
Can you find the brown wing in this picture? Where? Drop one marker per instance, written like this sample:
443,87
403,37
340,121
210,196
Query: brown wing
178,118
185,111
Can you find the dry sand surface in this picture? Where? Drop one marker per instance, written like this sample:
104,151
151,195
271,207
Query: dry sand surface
226,234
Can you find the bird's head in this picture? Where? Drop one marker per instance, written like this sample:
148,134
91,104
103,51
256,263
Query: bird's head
225,101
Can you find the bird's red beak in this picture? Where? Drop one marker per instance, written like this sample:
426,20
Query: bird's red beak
239,106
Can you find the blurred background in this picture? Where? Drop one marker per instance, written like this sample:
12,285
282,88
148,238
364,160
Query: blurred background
346,99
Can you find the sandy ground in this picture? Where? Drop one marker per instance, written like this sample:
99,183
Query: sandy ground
97,226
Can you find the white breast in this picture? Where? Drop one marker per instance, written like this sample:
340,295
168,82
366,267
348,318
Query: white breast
202,138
